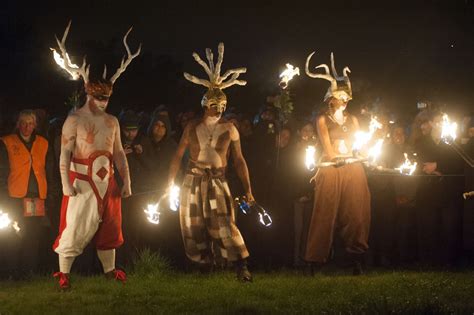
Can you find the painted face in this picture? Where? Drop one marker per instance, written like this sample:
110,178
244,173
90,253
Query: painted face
215,100
338,104
26,126
99,102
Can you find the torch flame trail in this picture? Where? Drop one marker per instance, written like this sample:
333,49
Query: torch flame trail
60,61
310,160
407,168
288,74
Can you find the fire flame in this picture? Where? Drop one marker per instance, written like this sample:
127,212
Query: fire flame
407,168
375,151
60,62
153,214
288,74
174,198
448,131
6,222
362,138
310,160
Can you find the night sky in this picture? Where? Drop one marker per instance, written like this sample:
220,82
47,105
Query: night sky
399,53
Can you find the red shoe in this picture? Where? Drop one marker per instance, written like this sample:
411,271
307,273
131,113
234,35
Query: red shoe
117,274
63,280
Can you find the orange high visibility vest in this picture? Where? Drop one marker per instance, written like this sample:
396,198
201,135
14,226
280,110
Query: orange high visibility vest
21,163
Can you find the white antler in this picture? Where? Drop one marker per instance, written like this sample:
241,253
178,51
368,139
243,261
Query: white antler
124,63
326,76
214,71
65,62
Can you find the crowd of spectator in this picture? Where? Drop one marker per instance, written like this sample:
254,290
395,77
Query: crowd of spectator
416,220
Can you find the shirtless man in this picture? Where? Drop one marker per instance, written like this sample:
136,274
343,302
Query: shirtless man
90,147
206,205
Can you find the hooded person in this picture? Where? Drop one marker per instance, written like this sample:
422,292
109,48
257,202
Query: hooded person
342,198
91,149
206,205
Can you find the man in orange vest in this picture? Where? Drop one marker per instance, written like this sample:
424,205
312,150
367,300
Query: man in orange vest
26,162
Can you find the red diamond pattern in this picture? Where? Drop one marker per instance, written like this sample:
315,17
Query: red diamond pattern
102,173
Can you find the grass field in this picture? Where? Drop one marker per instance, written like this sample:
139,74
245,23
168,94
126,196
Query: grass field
154,288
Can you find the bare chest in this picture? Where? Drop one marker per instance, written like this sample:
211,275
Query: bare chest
94,134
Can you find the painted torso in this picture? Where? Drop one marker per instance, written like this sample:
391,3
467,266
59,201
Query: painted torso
209,144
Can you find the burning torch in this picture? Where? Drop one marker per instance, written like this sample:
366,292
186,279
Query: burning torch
249,207
6,222
153,210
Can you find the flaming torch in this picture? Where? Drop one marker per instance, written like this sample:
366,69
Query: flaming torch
448,135
153,214
153,210
310,160
448,131
407,168
6,222
174,198
362,138
287,75
60,61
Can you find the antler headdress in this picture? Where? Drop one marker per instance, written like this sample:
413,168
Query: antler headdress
216,83
103,88
340,85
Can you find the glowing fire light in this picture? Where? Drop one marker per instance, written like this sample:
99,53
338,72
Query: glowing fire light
375,151
407,168
362,138
153,214
310,160
60,62
174,198
448,131
288,74
6,222
265,218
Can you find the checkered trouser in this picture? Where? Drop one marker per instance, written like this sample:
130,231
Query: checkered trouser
206,215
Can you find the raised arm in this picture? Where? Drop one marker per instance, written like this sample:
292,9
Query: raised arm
239,163
68,143
323,134
178,156
120,161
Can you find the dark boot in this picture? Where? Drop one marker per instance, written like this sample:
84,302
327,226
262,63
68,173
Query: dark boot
313,268
243,273
357,264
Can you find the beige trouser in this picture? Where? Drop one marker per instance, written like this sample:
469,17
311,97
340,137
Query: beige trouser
342,202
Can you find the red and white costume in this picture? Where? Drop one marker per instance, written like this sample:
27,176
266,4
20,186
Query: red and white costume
94,213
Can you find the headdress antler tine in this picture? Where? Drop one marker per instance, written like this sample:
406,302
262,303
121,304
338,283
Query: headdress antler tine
333,67
326,76
196,80
203,64
124,63
83,70
345,72
233,81
233,72
104,74
210,58
220,58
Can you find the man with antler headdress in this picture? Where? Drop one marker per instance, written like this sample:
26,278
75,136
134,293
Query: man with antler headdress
342,197
90,148
206,205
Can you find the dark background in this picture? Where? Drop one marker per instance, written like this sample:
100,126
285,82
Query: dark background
399,52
